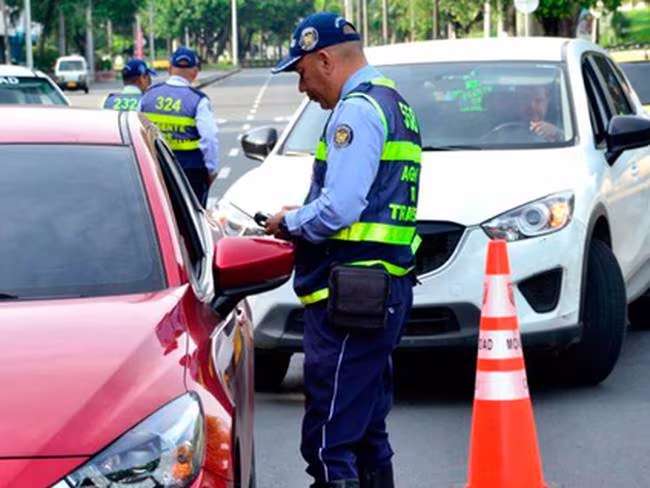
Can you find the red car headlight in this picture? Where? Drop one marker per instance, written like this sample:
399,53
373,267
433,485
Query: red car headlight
164,450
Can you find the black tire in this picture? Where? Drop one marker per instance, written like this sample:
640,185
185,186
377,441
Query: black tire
603,318
252,482
86,89
638,313
270,369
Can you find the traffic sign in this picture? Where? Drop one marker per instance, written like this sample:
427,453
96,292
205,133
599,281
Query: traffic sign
526,6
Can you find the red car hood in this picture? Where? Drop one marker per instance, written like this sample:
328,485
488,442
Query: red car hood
75,374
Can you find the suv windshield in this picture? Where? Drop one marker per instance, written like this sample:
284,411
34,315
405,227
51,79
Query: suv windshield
71,66
477,105
28,90
74,223
639,74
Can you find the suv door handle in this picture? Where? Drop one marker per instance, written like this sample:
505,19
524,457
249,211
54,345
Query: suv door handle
635,169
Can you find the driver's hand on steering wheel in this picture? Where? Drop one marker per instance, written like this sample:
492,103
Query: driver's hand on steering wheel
546,130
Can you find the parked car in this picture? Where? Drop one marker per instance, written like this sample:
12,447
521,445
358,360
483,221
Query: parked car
573,203
126,352
21,86
72,73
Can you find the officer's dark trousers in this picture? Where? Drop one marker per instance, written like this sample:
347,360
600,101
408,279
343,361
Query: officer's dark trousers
200,182
349,390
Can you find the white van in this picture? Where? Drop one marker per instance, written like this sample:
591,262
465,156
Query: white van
71,73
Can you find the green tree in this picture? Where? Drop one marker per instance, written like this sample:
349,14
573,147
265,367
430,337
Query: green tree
559,17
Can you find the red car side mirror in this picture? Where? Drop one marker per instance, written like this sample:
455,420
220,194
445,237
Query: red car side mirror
249,265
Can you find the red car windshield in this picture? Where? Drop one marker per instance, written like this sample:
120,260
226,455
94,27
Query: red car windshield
74,222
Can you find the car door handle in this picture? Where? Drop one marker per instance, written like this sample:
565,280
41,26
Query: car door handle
635,170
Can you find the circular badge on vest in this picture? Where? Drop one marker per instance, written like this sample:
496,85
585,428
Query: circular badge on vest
343,135
308,39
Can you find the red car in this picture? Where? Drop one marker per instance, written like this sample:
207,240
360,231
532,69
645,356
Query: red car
126,340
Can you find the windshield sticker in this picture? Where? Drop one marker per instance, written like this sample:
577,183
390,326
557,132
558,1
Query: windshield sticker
9,80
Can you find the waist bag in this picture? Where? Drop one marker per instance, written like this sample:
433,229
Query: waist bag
358,297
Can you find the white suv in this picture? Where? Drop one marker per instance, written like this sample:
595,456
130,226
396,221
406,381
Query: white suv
536,141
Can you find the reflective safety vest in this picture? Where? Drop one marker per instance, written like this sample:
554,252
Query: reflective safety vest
385,234
123,102
173,110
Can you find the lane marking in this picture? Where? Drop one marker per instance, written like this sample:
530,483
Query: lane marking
222,121
250,117
286,118
246,126
233,152
224,173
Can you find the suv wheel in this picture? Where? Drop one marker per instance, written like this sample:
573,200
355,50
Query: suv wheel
270,369
603,318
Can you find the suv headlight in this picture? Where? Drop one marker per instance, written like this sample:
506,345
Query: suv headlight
164,450
537,218
235,222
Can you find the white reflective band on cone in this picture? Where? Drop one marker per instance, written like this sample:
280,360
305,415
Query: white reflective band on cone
501,385
498,297
499,344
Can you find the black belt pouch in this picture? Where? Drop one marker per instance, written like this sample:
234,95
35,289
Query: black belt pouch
358,297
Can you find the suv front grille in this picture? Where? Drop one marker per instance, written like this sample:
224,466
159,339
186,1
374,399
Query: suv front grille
439,241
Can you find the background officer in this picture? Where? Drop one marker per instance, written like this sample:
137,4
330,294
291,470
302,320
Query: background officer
136,76
360,211
184,116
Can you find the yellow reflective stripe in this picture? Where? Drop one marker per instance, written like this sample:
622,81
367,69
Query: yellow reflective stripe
401,151
387,82
317,296
415,245
391,268
372,232
187,145
321,151
171,119
375,104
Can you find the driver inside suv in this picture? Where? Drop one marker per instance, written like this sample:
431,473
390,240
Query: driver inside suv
534,110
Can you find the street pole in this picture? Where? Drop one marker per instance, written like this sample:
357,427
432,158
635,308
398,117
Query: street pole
187,37
366,34
61,33
235,34
109,36
436,19
526,25
412,19
486,19
152,46
348,10
384,20
499,18
28,34
6,31
358,14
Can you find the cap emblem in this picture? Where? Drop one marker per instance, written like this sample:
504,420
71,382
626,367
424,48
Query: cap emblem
308,39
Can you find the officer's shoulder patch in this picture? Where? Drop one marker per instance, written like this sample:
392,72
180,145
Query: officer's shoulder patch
343,135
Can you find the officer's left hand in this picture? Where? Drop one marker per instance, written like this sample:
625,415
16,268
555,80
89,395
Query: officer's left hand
273,225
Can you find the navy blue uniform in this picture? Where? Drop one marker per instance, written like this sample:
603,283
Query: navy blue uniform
361,211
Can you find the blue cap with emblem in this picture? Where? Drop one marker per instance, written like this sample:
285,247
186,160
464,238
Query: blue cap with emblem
314,33
136,67
184,57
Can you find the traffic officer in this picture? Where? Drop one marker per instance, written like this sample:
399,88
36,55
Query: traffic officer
184,116
136,76
355,241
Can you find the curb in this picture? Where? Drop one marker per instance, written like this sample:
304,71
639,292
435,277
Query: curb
213,79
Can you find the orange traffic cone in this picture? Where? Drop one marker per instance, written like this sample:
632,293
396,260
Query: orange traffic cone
503,444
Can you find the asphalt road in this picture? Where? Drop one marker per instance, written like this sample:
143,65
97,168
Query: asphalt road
589,437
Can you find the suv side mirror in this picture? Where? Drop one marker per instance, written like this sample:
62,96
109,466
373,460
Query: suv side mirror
258,143
626,132
248,265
